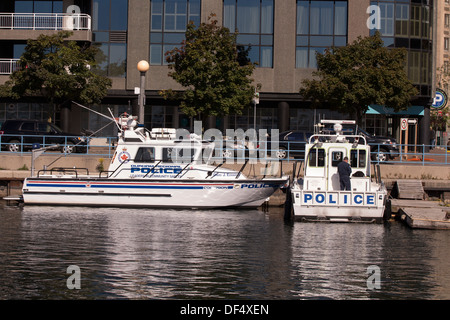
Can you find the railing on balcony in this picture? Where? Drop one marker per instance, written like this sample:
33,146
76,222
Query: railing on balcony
8,66
45,21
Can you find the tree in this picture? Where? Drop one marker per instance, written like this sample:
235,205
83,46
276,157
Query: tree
208,66
58,70
439,119
353,77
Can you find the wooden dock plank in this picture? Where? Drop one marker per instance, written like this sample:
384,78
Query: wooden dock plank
432,218
397,204
410,189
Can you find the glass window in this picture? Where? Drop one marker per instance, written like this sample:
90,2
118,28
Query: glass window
253,20
340,18
43,7
402,19
336,158
414,66
248,16
28,126
145,155
387,19
320,25
109,22
229,14
23,6
317,157
117,59
178,155
321,17
302,17
119,15
168,21
358,158
100,15
102,58
155,54
19,49
57,7
301,57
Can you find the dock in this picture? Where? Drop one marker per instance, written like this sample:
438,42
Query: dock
421,214
413,207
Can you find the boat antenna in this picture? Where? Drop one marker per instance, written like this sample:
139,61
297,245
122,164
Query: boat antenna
99,113
114,119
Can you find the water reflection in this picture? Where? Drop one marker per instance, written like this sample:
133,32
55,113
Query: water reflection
186,254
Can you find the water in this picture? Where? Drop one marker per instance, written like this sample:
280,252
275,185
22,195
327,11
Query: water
217,254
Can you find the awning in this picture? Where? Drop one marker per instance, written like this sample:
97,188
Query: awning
411,111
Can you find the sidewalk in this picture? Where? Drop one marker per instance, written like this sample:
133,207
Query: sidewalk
11,163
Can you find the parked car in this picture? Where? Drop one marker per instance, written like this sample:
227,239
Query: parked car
290,144
382,148
16,134
239,149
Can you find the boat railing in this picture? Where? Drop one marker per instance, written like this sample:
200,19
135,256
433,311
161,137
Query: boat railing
64,171
151,170
339,138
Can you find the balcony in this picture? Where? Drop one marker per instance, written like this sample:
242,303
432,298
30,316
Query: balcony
45,21
8,66
23,26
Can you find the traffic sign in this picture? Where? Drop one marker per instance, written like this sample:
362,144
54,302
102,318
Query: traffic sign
440,100
404,123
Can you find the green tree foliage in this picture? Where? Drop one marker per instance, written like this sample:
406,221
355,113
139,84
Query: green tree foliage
439,119
58,70
351,78
207,66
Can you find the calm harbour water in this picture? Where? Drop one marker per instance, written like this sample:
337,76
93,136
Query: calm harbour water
215,254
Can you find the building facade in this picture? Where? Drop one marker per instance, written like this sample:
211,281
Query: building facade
283,37
442,47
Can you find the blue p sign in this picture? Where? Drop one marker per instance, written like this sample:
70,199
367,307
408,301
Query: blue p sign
440,100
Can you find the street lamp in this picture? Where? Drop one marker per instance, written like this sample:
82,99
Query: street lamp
143,67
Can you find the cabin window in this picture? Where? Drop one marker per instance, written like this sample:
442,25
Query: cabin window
336,157
358,158
183,155
316,157
145,155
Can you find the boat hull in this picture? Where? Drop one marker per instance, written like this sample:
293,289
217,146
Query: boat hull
175,193
339,206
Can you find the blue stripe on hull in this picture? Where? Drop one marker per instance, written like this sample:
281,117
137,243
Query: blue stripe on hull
117,186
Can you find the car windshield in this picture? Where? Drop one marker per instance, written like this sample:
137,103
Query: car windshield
364,132
48,127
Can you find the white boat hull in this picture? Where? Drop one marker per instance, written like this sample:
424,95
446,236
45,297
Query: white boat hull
339,206
179,193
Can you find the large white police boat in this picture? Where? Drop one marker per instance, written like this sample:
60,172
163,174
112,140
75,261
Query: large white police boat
317,196
153,169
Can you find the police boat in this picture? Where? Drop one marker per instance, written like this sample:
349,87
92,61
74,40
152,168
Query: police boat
317,196
153,169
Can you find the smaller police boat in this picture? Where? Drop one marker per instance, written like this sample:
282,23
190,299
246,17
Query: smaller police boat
153,169
317,196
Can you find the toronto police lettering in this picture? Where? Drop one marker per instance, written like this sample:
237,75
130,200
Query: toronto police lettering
155,171
257,185
339,198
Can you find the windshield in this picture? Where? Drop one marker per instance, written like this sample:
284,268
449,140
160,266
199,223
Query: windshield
364,132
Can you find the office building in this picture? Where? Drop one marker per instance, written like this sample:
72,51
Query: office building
283,34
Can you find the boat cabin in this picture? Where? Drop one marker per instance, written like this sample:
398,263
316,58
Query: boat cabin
158,153
323,154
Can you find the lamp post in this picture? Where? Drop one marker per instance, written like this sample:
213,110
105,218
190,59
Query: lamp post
143,67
